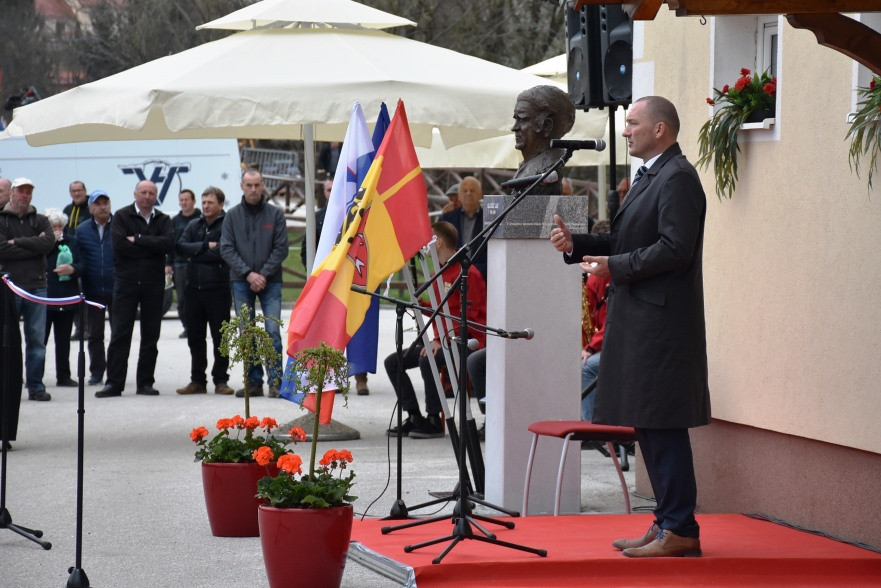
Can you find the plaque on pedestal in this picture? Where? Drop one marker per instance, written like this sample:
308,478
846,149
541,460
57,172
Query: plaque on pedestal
533,218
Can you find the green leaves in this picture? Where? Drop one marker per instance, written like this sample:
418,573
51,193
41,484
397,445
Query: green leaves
865,130
320,491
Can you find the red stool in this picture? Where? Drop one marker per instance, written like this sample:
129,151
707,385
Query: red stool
576,431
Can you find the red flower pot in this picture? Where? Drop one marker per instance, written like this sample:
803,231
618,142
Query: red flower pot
230,497
305,546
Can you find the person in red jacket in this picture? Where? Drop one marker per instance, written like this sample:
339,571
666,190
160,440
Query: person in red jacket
596,291
418,426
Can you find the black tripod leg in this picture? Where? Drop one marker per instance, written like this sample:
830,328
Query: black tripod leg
31,534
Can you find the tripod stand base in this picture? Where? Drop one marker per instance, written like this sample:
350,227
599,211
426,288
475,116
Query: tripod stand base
398,512
78,578
30,534
463,531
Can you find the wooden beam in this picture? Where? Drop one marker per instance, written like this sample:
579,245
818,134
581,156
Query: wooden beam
644,9
843,34
730,7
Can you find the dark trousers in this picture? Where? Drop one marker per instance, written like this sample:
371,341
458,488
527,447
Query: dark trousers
11,364
207,309
63,321
670,468
127,296
179,277
407,395
95,331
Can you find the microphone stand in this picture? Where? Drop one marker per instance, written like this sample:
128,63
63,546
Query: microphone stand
462,517
78,578
6,395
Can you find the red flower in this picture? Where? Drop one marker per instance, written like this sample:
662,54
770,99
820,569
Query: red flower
237,421
198,434
742,83
770,88
263,455
345,455
711,102
725,89
224,424
744,72
268,423
251,423
297,434
332,457
290,463
872,84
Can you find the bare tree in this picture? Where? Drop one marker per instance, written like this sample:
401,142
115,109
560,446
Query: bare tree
28,58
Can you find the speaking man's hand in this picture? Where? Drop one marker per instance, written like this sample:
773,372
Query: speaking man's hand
561,236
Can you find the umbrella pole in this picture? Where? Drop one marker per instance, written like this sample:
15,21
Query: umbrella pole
309,174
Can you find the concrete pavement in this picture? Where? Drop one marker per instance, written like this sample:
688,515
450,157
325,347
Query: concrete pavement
144,521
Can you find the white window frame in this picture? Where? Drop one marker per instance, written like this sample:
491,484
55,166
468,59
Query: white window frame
862,75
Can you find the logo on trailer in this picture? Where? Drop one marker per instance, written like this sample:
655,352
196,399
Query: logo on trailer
161,173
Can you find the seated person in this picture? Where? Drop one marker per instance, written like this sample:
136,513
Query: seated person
418,426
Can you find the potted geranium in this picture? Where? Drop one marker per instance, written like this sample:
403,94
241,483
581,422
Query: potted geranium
232,463
229,467
314,506
865,129
752,99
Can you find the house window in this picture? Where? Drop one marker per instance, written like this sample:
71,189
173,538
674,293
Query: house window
752,42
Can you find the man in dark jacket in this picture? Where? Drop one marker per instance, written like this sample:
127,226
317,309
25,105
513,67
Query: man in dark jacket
653,368
78,210
254,245
468,218
26,238
95,249
208,295
142,238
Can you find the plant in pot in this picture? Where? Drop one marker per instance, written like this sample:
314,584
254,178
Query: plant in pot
865,129
752,99
230,470
316,506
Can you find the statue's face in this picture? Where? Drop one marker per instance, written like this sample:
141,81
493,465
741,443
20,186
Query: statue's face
528,136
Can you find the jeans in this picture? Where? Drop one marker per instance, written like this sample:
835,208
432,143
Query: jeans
590,369
270,305
34,316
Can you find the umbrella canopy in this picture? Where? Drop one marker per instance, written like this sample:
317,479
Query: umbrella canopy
299,13
269,83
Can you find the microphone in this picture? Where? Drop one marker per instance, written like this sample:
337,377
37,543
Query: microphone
527,334
572,145
525,181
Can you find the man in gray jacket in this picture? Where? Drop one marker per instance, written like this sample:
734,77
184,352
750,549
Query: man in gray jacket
254,244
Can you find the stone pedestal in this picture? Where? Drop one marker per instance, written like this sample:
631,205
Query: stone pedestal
530,286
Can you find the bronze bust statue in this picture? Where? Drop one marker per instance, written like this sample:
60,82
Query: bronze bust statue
542,113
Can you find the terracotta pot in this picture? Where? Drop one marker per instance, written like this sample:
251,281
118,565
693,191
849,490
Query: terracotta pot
305,546
230,497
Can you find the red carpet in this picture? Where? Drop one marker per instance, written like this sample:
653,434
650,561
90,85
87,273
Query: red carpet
738,551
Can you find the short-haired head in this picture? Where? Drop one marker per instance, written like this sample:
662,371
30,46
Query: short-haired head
446,233
216,192
662,110
56,217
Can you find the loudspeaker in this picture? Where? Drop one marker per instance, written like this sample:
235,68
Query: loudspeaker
599,44
582,48
616,54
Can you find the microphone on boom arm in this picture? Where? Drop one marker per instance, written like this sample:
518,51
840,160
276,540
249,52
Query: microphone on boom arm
574,145
525,181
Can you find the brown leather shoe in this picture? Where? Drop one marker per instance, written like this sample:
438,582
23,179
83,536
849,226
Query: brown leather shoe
361,384
668,544
192,388
223,388
622,544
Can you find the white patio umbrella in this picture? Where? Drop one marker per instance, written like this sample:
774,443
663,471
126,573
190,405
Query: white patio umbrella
306,13
278,83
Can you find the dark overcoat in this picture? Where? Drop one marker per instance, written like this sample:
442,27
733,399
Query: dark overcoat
653,367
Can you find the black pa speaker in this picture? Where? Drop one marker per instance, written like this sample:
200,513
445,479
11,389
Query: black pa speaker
599,44
616,54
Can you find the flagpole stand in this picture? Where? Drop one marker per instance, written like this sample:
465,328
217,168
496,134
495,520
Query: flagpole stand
333,431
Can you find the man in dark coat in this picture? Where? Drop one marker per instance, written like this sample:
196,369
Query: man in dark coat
142,237
653,369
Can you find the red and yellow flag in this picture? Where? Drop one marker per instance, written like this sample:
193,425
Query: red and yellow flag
387,224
